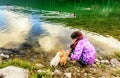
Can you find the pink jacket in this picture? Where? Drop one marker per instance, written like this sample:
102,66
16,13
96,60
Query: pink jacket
85,50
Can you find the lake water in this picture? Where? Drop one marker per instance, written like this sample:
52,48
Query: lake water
17,27
24,27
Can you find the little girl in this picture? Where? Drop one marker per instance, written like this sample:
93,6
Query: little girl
81,49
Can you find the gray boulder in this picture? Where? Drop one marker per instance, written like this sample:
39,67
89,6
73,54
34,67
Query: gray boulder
13,72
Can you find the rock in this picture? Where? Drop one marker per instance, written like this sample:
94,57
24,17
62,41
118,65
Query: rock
115,77
97,60
103,61
39,65
85,74
32,59
102,77
78,71
78,74
115,63
8,52
106,61
100,58
21,52
4,56
13,72
97,63
57,72
39,71
68,75
93,69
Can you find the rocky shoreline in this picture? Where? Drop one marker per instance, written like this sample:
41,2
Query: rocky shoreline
102,68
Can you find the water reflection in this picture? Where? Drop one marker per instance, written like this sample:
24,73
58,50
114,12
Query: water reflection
58,37
2,20
17,27
27,27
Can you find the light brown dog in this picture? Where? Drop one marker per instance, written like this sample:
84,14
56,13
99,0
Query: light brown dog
63,58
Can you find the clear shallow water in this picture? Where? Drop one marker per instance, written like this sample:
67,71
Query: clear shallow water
18,26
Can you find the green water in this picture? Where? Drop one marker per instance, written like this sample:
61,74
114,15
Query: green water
80,7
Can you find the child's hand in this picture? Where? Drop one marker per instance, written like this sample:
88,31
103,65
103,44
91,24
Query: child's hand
67,52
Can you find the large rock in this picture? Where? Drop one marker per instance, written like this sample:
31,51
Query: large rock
13,72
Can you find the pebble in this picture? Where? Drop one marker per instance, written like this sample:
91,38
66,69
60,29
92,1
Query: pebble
39,71
68,75
57,72
102,77
103,61
97,60
39,65
85,74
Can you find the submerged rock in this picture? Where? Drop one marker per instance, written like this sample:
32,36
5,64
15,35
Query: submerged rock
13,72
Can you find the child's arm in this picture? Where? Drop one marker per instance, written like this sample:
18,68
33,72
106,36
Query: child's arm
68,52
78,51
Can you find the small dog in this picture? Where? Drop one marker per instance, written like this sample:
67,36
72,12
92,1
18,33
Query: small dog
55,61
63,58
